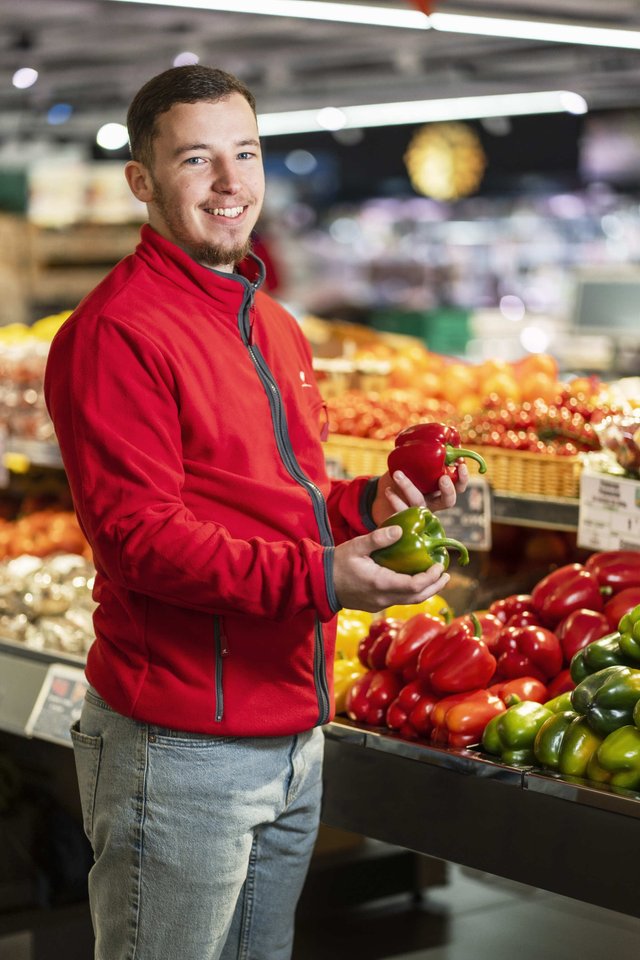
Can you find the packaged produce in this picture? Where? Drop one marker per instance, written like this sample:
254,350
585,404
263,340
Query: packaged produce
423,543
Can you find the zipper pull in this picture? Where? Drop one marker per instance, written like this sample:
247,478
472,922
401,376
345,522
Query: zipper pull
224,646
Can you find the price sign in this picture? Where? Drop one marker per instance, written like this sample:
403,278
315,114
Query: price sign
470,519
609,517
58,704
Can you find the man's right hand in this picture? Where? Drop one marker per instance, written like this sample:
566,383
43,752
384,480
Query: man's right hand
362,584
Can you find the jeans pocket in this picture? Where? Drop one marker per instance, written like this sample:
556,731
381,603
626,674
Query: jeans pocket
87,751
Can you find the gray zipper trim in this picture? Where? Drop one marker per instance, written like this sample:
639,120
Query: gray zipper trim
283,442
217,637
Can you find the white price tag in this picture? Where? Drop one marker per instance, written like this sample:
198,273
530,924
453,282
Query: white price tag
58,704
609,517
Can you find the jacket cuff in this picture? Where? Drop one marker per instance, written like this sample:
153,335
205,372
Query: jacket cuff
367,497
332,597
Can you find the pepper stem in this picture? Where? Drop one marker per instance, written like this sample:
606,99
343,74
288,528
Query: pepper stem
454,453
463,559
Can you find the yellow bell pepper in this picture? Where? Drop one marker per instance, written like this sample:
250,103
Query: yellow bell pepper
345,673
353,625
437,606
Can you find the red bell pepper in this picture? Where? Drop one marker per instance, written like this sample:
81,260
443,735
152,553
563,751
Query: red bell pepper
579,629
425,452
528,652
562,683
566,589
617,569
621,603
506,607
457,659
490,627
520,688
372,649
459,720
371,695
410,713
402,654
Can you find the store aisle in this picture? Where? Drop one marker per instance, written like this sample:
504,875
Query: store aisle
474,917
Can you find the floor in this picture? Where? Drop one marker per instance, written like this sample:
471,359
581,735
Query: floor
473,917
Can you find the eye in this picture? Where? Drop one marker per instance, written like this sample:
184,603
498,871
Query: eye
246,155
195,161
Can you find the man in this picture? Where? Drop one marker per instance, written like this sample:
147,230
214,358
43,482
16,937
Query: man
189,423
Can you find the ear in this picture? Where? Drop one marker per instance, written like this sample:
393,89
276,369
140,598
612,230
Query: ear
139,180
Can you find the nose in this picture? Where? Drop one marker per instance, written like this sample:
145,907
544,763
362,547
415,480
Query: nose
226,178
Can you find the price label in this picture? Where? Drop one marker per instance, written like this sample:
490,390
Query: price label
609,517
470,519
58,704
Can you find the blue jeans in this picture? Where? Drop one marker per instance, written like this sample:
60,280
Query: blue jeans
201,844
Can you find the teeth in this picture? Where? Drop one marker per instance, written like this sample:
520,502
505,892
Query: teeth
229,212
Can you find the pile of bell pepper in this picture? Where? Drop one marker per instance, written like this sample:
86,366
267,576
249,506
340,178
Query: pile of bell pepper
498,677
596,733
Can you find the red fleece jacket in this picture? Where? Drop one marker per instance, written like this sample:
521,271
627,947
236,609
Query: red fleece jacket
189,422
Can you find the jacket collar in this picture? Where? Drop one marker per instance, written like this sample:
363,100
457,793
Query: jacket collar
228,289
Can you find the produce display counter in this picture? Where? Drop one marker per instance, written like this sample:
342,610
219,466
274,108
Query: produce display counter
563,836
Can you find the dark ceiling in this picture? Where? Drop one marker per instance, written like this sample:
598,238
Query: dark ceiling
94,54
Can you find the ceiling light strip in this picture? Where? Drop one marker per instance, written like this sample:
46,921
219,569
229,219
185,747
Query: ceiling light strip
307,10
536,30
548,31
421,111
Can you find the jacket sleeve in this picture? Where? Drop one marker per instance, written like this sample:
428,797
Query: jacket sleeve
349,505
113,402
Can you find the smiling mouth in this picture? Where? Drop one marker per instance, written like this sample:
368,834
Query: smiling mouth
229,213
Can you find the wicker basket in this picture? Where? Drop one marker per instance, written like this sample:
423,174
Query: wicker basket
508,471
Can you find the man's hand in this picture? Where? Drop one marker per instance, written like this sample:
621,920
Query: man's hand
362,584
398,492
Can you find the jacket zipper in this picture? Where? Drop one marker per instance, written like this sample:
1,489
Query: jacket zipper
221,651
283,442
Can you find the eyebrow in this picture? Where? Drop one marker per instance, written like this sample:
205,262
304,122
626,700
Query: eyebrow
251,142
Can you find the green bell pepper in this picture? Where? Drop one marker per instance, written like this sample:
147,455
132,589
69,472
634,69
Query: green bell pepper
597,655
629,628
607,698
565,742
510,735
423,543
560,703
619,754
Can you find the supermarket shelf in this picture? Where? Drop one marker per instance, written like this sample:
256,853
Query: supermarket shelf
549,513
459,806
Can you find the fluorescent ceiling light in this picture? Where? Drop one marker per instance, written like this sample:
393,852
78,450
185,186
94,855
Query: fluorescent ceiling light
420,111
415,20
536,30
307,10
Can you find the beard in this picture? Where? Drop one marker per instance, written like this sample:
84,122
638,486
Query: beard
210,254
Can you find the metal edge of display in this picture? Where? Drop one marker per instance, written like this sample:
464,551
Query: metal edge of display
603,797
467,762
16,648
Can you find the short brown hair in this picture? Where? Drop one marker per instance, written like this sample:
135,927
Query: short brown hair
188,84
